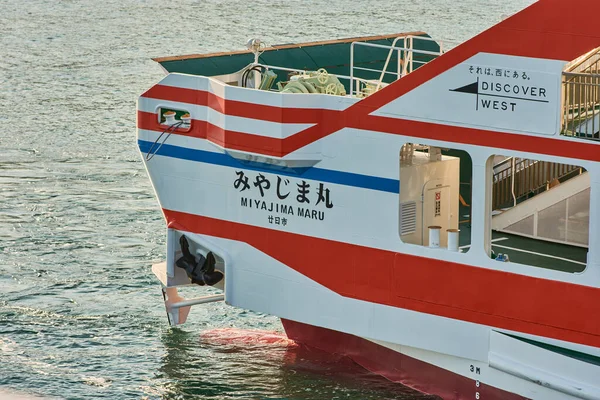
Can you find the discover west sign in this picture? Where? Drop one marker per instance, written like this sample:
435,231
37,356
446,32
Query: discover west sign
489,91
502,96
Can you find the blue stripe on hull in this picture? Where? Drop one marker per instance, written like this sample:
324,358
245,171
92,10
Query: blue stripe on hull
313,173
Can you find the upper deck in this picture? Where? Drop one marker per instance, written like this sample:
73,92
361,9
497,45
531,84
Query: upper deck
361,61
526,96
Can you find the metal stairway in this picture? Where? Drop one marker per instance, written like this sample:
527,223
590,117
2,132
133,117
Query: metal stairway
559,214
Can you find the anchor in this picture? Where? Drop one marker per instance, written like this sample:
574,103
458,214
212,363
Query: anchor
201,272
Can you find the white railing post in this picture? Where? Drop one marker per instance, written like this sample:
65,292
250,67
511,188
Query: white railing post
352,67
410,54
513,182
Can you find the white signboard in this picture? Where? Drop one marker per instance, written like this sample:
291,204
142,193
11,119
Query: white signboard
488,91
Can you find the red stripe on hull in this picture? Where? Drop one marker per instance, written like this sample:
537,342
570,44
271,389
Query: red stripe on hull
243,109
149,121
394,366
541,307
225,138
572,148
280,147
180,95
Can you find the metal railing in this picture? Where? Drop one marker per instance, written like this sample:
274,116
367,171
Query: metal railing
405,60
581,105
529,178
406,63
587,64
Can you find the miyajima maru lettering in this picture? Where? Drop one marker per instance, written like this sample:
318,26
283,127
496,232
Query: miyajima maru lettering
309,197
267,206
311,214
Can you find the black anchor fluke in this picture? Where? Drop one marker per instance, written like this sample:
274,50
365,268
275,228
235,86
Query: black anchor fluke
201,272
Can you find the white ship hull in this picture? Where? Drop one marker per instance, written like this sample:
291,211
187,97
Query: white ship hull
340,213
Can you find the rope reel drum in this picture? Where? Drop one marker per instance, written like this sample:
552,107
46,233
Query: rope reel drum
314,82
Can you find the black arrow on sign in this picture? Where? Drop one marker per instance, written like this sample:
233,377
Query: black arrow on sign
471,88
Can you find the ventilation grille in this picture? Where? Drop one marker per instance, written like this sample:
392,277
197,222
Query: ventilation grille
408,218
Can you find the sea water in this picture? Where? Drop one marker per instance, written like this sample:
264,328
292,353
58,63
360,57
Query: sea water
81,315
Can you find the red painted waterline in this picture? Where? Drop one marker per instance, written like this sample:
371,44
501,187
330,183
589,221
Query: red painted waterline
397,367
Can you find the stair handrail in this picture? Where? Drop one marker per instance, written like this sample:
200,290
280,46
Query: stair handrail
387,60
539,177
584,59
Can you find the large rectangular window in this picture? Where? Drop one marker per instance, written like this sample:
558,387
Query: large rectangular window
540,213
435,195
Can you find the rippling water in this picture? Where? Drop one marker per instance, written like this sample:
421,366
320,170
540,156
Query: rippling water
80,313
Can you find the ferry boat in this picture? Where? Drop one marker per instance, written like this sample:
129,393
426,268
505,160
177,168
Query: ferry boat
427,212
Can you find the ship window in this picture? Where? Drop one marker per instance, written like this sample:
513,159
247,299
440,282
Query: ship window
435,196
540,213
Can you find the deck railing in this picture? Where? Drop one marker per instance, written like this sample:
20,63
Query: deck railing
405,56
587,64
581,105
530,177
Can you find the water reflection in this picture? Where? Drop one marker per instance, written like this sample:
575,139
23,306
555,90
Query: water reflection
232,363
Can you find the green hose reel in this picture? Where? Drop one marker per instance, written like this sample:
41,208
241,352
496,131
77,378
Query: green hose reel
314,82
